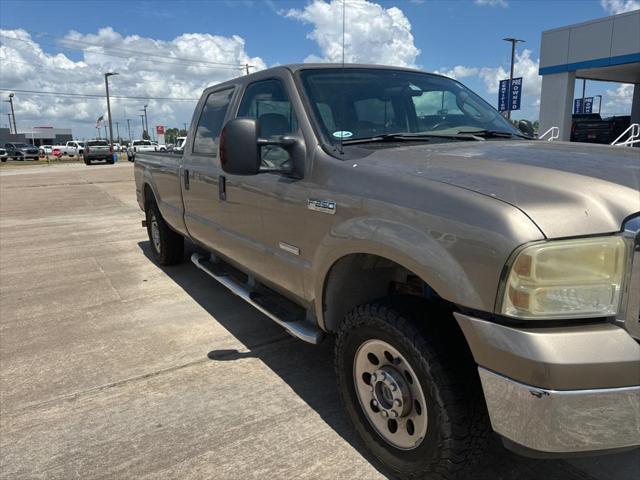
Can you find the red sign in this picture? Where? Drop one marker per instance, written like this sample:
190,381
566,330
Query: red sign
160,129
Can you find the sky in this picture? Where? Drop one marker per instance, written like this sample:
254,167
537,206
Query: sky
167,52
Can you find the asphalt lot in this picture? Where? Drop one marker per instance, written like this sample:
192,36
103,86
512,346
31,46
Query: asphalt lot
112,367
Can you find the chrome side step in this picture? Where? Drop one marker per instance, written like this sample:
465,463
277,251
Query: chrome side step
298,328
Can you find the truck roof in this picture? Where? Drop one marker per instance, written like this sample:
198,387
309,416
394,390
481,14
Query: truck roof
295,67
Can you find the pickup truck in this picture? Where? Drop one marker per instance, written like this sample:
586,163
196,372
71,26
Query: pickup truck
21,151
475,279
71,148
98,150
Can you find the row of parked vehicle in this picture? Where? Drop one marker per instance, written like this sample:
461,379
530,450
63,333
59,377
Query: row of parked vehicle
73,148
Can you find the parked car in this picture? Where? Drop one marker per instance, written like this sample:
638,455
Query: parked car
71,148
45,149
3,155
473,278
158,147
143,146
590,128
179,148
21,151
97,150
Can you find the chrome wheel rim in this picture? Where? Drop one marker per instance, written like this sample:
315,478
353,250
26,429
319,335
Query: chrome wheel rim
390,394
155,233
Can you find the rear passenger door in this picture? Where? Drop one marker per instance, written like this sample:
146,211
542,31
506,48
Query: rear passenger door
201,175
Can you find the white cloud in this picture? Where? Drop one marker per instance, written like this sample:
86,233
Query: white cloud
613,7
618,101
524,66
492,3
148,68
374,34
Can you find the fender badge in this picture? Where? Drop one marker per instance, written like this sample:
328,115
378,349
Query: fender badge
324,206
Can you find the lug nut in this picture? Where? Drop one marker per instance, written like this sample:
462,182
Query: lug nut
383,376
384,413
374,403
397,402
394,414
374,378
394,387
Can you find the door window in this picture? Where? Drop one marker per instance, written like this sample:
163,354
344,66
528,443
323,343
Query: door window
267,102
211,121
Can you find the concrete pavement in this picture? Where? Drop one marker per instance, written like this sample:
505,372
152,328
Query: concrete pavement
112,367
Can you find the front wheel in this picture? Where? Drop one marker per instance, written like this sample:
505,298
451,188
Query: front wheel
414,399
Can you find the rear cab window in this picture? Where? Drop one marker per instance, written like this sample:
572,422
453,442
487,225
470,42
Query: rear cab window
211,121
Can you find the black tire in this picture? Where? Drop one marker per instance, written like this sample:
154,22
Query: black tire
170,248
111,161
87,162
457,423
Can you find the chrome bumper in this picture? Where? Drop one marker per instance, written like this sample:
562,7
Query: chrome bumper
562,421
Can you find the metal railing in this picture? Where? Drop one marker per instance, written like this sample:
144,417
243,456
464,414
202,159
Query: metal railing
634,136
553,132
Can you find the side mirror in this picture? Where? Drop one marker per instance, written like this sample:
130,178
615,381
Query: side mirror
526,127
240,149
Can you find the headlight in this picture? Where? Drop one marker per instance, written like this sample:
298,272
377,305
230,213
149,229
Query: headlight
566,279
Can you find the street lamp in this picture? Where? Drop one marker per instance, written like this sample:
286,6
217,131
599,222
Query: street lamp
142,120
13,115
129,129
513,57
146,121
106,84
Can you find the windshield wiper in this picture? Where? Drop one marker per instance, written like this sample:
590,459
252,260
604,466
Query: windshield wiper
491,134
404,137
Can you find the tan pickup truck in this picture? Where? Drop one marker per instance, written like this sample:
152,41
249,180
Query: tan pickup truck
474,279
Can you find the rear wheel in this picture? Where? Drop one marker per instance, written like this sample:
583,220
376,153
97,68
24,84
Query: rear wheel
414,398
167,245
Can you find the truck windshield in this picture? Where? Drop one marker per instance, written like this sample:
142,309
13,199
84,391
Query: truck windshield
360,103
97,143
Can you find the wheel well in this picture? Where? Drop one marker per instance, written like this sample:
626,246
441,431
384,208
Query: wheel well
361,278
148,194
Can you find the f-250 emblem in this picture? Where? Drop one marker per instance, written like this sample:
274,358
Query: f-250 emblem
324,206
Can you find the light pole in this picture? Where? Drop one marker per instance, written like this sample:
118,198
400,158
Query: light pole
146,121
513,57
9,115
106,84
185,126
142,120
118,131
599,102
13,114
129,128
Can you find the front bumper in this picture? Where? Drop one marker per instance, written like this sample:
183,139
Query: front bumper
562,422
559,390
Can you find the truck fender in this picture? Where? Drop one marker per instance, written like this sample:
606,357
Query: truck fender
422,254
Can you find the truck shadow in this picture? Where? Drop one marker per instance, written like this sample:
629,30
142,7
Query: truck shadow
308,370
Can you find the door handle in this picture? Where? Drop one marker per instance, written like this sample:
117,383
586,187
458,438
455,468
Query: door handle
186,179
222,187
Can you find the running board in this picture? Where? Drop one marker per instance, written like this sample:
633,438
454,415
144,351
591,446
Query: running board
298,328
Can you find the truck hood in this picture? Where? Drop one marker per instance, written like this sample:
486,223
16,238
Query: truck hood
567,189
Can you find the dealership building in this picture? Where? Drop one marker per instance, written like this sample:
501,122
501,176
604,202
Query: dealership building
607,49
36,136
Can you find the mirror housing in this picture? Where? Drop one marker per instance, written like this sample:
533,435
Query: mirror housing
526,127
240,149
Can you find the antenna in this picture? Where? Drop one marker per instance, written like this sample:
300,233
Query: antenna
343,72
